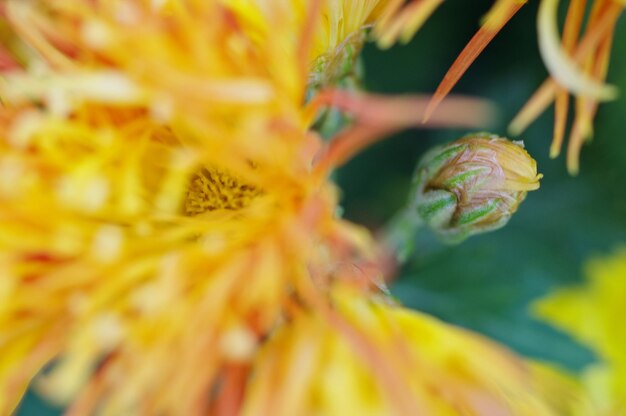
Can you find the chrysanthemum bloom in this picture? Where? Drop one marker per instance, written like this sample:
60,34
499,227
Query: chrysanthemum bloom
164,208
592,313
577,62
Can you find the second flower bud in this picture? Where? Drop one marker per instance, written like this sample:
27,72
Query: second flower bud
472,185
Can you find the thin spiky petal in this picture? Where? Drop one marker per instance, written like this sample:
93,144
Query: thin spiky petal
405,23
562,68
506,9
385,12
308,33
573,23
542,98
376,116
29,27
561,109
535,105
587,107
349,341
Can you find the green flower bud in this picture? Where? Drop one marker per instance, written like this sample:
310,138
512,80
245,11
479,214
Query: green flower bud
472,185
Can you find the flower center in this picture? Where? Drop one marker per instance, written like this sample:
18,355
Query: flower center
213,189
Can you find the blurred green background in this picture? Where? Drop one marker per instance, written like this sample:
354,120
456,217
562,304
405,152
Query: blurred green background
487,282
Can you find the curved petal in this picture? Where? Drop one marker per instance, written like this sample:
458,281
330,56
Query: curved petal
562,67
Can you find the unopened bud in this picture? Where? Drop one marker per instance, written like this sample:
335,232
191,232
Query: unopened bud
472,185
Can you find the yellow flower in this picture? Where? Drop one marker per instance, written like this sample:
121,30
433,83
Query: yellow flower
164,206
578,65
592,313
169,170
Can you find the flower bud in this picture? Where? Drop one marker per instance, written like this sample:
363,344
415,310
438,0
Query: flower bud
472,185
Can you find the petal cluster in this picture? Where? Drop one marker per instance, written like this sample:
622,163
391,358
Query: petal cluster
367,356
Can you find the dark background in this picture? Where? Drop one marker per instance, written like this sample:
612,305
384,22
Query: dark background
487,282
